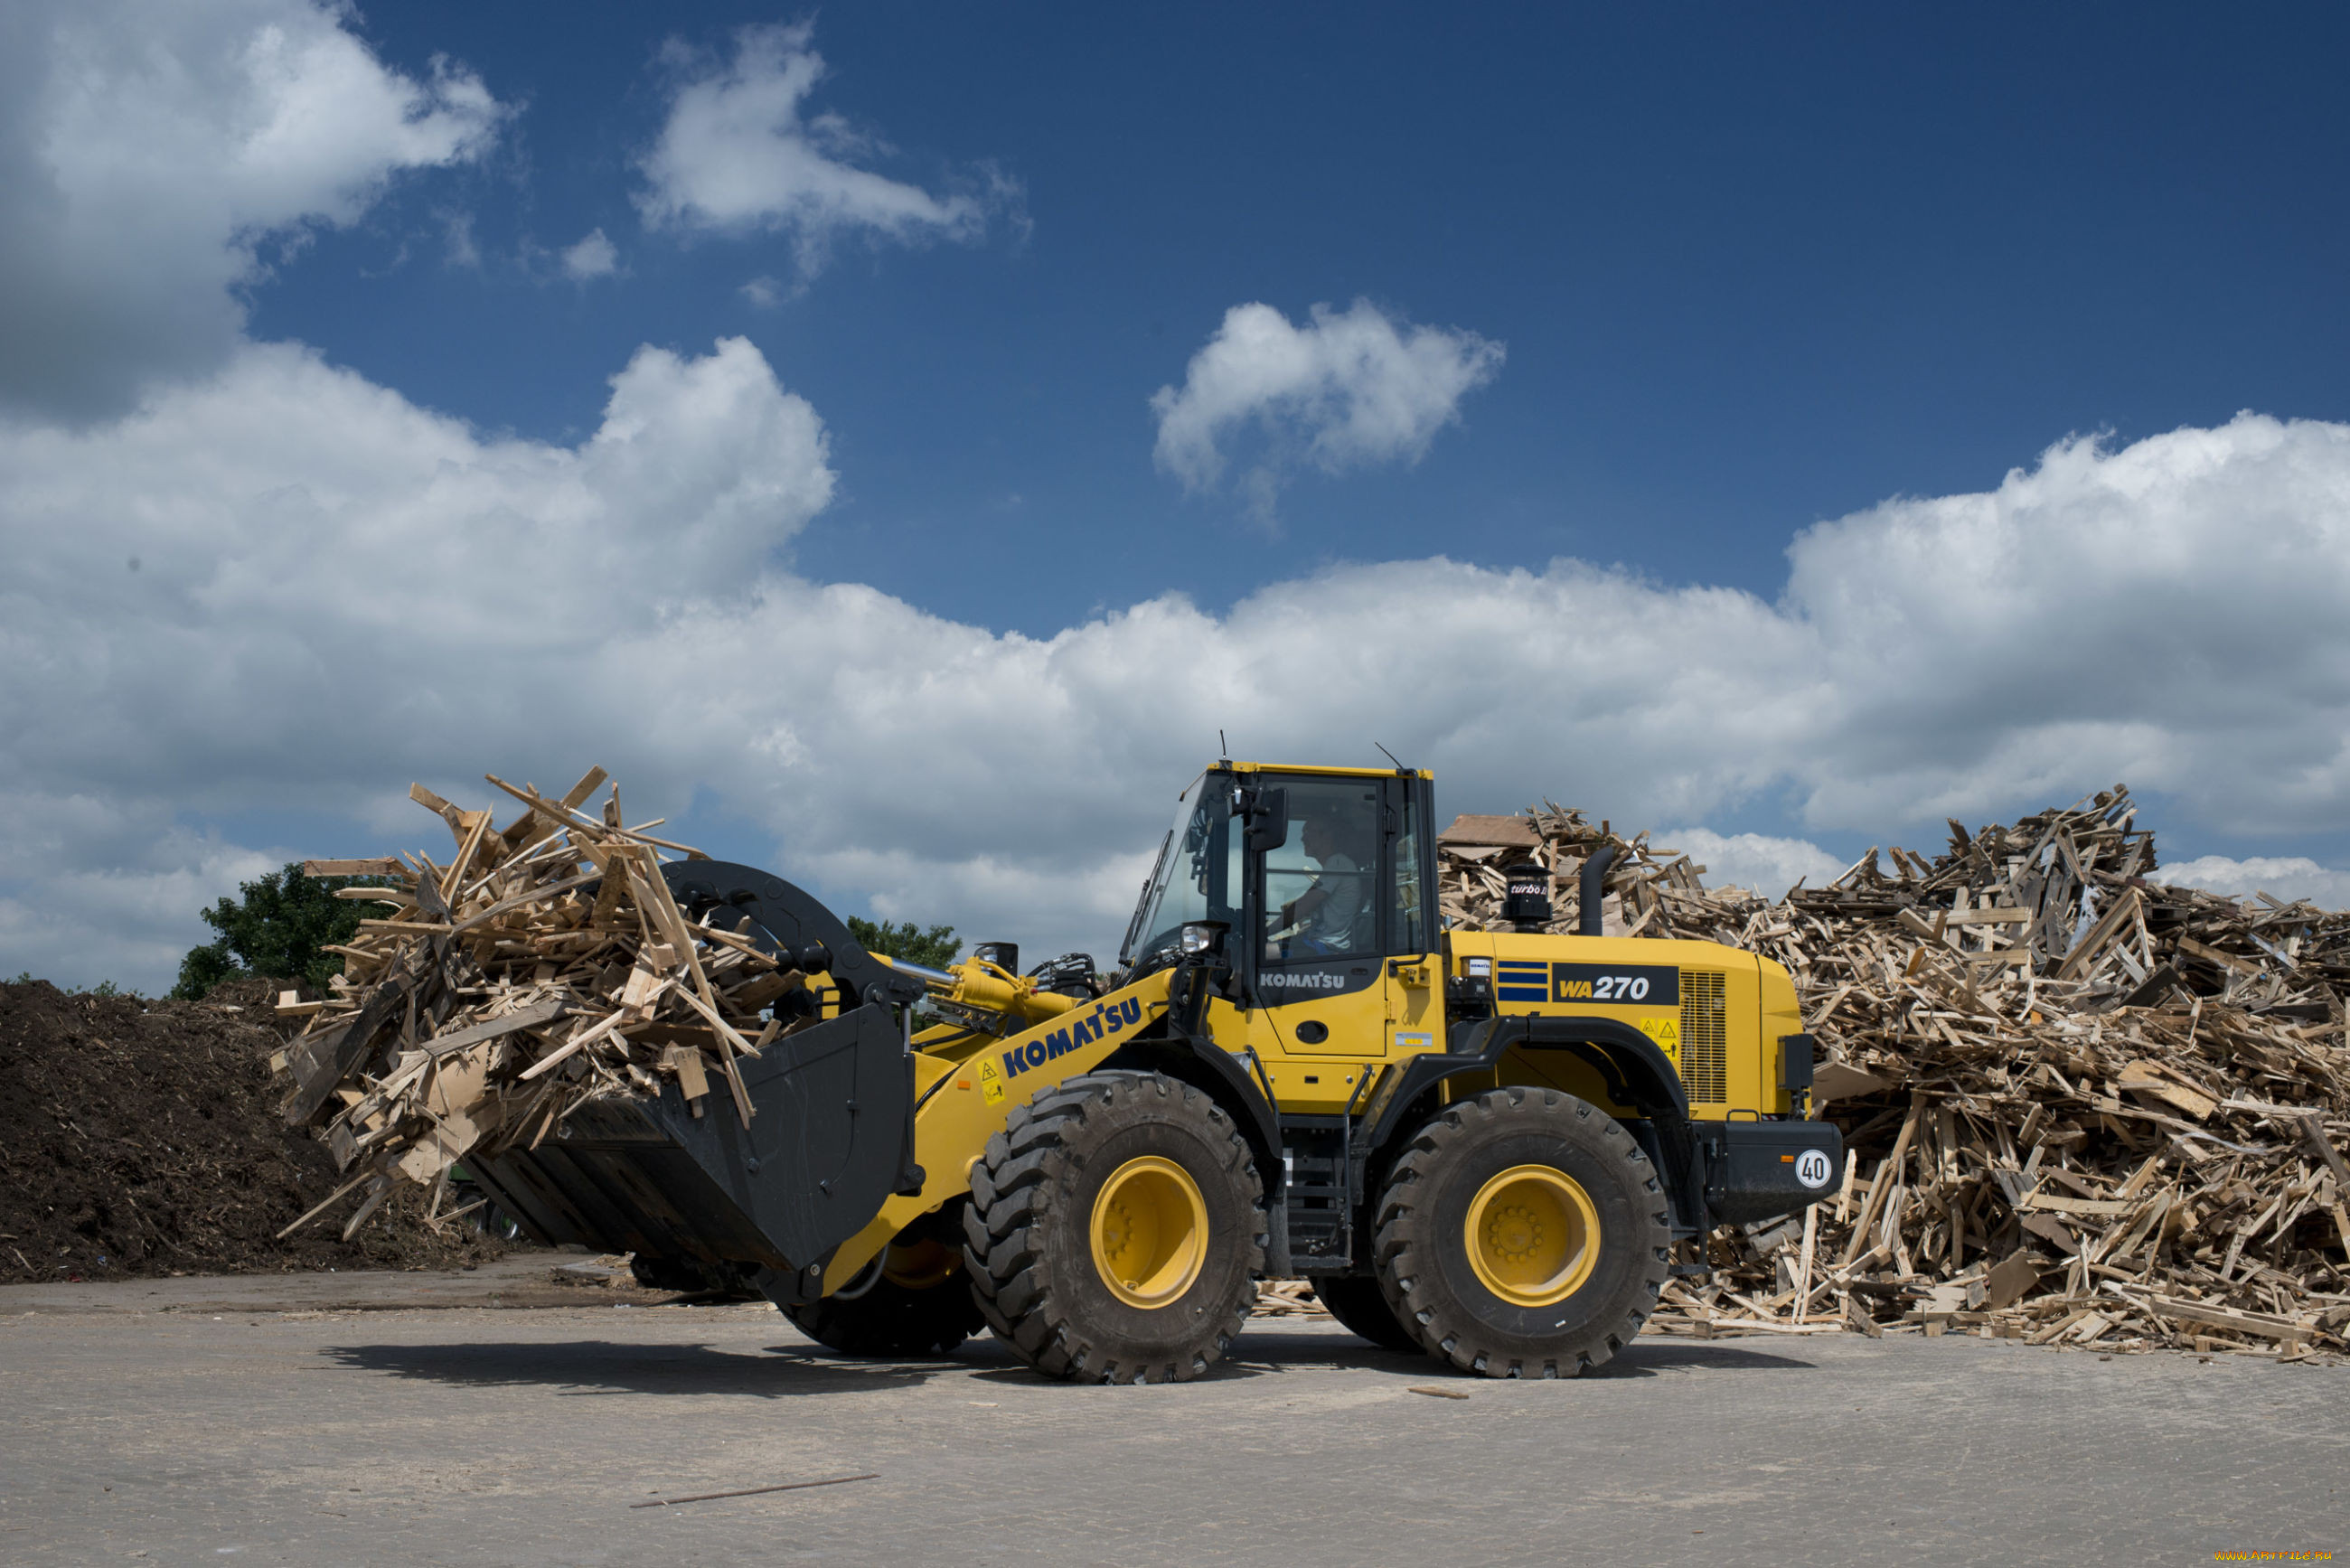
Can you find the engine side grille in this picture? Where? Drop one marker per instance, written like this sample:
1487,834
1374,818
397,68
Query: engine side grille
1704,1061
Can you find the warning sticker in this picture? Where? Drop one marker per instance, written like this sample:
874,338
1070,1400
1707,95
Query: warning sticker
991,1082
1665,1031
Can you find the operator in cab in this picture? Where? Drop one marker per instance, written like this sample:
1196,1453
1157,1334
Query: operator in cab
1322,918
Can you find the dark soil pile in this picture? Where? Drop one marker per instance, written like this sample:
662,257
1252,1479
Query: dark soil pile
142,1138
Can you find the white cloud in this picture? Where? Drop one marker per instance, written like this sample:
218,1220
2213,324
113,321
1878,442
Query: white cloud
1754,861
118,890
459,248
339,592
320,564
592,257
740,154
148,150
2170,613
1346,390
2286,877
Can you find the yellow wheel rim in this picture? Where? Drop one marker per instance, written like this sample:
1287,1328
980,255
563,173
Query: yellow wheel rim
1149,1231
1532,1235
919,1265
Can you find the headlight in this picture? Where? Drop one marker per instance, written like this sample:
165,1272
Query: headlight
1199,937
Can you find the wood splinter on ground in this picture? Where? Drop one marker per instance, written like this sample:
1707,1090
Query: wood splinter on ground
754,1491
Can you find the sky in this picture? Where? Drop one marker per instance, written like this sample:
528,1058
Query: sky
896,441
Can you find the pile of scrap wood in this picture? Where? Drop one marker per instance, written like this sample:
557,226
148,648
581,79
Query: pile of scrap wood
2084,1107
546,964
1648,893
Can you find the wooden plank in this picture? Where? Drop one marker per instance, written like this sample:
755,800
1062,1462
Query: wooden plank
523,900
1838,1080
2056,1203
555,811
537,1015
576,795
2149,1078
378,866
692,1081
1490,832
2011,1280
576,1043
2188,944
470,828
318,1066
2118,915
2267,1325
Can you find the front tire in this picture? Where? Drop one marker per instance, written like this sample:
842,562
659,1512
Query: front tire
1117,1230
915,1303
891,1322
1523,1234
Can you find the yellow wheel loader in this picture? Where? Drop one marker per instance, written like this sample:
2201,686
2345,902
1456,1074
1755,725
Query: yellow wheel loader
1481,1146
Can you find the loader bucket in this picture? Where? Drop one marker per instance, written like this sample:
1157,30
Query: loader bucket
831,1135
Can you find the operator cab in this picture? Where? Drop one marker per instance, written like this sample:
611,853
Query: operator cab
1315,878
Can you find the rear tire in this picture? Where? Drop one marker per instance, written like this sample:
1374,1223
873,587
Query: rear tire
1117,1230
1523,1234
1359,1305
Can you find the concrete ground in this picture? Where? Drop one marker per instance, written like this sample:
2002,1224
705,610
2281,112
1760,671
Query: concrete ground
192,1425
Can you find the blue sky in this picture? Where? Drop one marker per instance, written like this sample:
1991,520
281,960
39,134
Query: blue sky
895,439
1750,274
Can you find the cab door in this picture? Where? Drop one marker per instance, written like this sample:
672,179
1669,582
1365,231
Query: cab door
1342,967
1414,978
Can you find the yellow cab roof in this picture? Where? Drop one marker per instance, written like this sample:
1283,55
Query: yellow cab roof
1343,773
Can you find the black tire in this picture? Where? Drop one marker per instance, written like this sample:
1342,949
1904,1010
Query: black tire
915,1303
1424,1269
891,1322
1359,1305
1028,1231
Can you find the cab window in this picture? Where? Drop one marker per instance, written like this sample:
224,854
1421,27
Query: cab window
1407,925
1322,891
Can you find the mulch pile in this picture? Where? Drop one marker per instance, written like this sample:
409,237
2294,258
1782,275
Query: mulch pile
143,1138
2082,1106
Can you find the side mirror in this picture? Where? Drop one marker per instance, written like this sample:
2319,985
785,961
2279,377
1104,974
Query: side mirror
1268,819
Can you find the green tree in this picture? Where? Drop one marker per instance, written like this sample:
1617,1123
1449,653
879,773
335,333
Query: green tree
936,946
278,929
